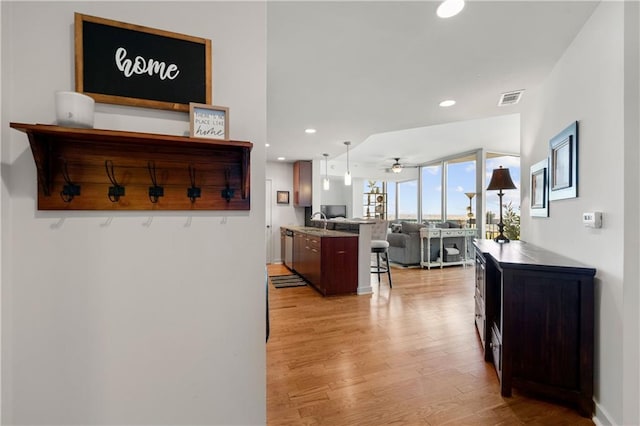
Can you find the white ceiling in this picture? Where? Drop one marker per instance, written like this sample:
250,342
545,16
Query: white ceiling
373,73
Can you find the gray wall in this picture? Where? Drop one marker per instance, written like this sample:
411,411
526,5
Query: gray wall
122,317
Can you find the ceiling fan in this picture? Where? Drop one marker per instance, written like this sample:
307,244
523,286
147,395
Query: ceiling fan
397,167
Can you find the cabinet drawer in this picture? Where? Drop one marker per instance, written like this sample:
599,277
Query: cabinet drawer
430,233
314,242
453,233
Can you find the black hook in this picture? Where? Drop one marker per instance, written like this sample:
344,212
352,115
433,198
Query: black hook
227,192
155,191
116,191
193,192
70,189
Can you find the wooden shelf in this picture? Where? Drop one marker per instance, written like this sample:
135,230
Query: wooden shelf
85,157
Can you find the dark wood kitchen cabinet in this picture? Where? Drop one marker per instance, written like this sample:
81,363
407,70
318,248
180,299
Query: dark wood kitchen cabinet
329,262
535,318
302,184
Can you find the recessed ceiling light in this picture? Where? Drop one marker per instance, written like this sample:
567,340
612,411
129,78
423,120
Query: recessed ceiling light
447,103
281,158
450,8
267,145
310,131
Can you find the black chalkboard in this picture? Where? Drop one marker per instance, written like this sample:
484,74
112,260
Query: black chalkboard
129,64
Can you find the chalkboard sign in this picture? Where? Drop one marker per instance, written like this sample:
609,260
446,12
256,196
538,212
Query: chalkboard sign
128,64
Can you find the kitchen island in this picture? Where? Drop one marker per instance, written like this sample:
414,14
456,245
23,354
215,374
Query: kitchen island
334,262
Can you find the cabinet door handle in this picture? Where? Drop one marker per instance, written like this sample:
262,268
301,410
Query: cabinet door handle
341,252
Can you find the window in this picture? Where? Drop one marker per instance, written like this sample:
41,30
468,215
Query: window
432,193
408,200
461,178
391,201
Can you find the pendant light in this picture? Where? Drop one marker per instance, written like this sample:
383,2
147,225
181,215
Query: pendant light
325,182
347,175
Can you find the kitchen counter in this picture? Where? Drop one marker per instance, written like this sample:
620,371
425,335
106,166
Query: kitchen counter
320,232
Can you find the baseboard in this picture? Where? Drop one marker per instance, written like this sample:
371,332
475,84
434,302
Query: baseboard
602,416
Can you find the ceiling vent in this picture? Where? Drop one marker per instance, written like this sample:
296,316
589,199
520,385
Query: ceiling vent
510,98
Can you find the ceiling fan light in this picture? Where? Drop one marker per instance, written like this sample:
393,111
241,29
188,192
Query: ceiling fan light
396,168
450,8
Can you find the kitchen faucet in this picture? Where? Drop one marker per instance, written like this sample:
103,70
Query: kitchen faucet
322,215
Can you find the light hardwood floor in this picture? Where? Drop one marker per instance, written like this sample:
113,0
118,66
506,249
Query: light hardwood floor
405,356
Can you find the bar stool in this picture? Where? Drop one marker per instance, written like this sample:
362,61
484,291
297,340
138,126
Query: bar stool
380,247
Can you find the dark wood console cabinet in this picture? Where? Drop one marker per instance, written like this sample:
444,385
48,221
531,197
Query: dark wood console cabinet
93,169
535,318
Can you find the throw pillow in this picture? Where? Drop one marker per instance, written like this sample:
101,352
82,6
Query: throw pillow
409,227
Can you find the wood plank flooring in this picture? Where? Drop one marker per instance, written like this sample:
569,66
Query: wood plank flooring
403,356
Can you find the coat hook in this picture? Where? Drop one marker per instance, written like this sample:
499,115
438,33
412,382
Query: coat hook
193,192
155,191
70,189
116,191
227,192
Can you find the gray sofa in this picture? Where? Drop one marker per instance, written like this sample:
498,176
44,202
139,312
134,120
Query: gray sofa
404,242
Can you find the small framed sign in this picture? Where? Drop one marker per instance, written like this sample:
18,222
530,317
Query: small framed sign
208,121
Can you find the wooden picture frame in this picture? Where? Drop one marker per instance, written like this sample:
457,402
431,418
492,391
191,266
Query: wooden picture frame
127,64
208,121
563,164
282,197
539,186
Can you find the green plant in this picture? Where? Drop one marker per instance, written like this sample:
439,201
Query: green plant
511,220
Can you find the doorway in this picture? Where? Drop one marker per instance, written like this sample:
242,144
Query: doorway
267,221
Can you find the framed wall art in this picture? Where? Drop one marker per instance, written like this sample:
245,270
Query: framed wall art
208,121
127,64
563,164
539,189
282,197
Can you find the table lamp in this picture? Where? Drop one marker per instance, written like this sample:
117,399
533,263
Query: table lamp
500,179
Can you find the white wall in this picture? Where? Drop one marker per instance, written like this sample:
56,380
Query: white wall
338,193
281,176
122,317
587,85
631,290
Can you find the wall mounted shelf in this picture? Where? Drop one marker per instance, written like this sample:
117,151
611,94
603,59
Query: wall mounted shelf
91,169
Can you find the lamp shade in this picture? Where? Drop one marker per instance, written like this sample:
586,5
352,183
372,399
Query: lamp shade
500,179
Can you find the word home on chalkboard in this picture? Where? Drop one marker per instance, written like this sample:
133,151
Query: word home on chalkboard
208,121
128,64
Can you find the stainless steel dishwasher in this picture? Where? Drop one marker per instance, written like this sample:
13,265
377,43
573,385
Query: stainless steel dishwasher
288,249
